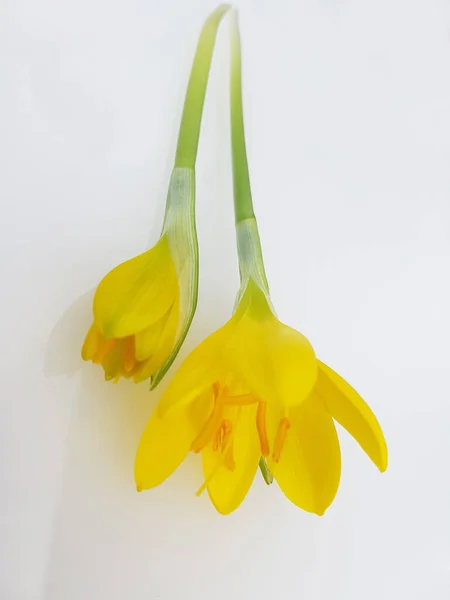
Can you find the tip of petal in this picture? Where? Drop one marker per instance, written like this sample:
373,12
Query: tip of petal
383,464
222,510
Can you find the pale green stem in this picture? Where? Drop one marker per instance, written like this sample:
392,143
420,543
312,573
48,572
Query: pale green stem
243,205
251,262
195,96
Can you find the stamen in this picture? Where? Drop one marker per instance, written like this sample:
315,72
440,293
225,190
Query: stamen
217,440
226,429
103,350
209,429
283,428
227,461
241,400
204,485
129,358
202,488
262,429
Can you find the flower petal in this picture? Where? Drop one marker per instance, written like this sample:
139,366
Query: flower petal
112,362
137,293
167,440
162,347
274,360
92,343
309,468
227,487
349,409
202,367
147,341
167,338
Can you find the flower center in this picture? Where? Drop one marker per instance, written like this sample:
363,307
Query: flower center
220,431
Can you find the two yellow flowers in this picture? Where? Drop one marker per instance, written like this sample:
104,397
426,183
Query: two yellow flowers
253,393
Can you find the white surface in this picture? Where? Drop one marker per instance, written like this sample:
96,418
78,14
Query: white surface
347,107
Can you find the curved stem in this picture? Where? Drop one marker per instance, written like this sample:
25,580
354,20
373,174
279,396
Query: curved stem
189,134
243,205
251,262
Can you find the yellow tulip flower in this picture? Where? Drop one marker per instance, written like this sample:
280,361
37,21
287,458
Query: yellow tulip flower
254,392
255,388
144,307
136,314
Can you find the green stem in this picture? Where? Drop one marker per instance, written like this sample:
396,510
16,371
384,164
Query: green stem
243,205
195,96
251,264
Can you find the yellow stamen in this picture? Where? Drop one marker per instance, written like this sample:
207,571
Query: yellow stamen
222,434
103,350
217,439
241,400
226,430
280,439
129,358
262,429
204,485
209,429
228,462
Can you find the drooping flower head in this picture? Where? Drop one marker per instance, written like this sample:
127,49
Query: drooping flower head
254,392
143,308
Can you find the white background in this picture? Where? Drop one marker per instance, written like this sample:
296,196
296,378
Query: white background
347,107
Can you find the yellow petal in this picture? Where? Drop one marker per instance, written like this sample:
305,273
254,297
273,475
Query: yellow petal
165,343
202,367
309,468
167,440
147,341
137,293
157,344
229,477
274,360
92,343
349,409
129,354
112,363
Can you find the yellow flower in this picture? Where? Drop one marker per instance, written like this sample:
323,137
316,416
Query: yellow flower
255,388
143,307
136,314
